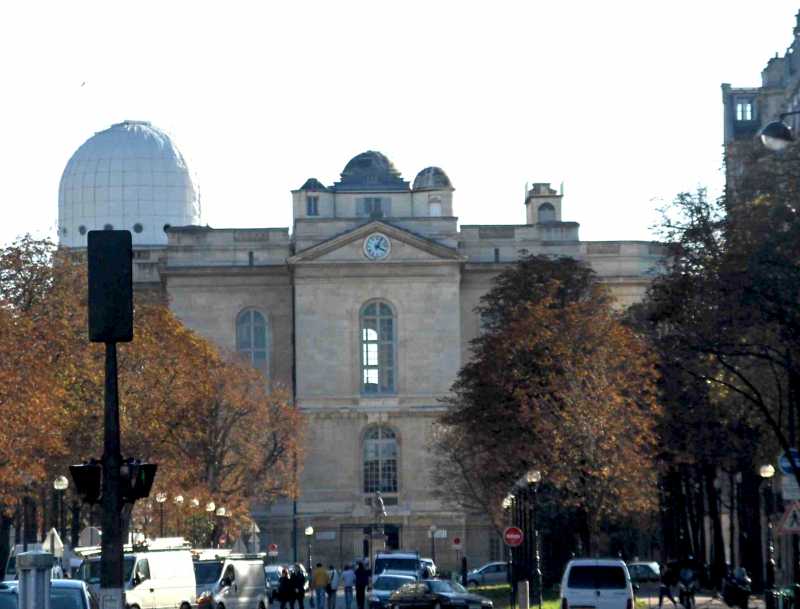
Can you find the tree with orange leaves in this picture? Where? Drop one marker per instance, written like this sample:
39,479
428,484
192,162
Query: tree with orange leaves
557,383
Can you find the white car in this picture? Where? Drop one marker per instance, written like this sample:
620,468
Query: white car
598,583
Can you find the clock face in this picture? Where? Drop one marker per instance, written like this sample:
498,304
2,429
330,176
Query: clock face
377,246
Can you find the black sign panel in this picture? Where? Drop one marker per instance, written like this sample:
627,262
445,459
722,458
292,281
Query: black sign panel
110,286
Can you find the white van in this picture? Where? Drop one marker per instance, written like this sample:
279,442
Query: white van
153,579
596,583
231,582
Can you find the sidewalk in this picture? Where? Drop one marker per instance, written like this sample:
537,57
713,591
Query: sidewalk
704,600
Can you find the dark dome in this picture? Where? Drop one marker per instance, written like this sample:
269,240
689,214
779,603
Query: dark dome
432,178
313,184
370,170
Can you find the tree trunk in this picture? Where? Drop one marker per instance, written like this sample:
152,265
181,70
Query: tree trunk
5,540
731,520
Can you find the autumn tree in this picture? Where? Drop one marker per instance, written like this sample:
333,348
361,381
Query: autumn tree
206,417
556,383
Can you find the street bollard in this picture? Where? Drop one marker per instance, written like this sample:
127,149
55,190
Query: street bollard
34,570
523,601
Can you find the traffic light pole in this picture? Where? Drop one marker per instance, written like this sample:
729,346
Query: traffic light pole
111,593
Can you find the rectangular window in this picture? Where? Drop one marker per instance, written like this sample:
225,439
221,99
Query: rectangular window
497,254
312,205
494,548
744,110
373,207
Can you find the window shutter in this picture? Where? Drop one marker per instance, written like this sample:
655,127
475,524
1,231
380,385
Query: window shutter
361,207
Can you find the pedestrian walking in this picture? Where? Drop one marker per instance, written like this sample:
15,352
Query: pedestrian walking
333,586
319,584
668,579
285,590
298,586
348,581
362,581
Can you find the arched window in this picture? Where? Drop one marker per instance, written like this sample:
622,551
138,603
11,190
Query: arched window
378,369
547,213
380,460
435,208
251,339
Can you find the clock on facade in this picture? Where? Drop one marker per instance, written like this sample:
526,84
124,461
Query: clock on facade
377,246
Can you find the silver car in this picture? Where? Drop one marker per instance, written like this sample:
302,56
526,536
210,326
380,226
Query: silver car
490,573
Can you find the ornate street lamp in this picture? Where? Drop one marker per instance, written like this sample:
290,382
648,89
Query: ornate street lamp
309,534
61,484
432,530
534,477
161,498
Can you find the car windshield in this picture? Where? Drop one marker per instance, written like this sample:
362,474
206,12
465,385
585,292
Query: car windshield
67,598
90,570
207,572
386,582
596,577
396,564
443,586
273,576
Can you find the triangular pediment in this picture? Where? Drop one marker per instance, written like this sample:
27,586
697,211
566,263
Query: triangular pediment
404,246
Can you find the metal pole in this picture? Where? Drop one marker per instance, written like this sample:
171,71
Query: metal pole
111,541
161,519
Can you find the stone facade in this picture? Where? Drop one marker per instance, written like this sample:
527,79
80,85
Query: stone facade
312,287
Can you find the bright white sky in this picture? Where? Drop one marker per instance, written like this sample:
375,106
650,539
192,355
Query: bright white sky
619,99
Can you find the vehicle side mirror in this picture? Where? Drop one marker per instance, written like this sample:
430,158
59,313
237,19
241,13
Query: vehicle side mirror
636,587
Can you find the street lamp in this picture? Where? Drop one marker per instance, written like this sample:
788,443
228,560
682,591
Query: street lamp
61,484
432,529
767,472
533,478
777,135
178,499
379,513
161,498
309,533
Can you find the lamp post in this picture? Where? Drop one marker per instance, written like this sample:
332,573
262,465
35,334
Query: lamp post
61,484
432,529
379,513
210,509
161,498
508,506
178,499
309,534
767,472
533,478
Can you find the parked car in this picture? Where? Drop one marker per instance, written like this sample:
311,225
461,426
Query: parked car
273,575
241,584
397,562
597,582
490,573
436,594
431,566
644,572
383,586
64,594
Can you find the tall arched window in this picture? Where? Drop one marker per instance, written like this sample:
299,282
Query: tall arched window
547,213
378,368
380,460
251,339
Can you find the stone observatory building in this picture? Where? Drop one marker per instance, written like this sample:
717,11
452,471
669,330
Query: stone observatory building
364,309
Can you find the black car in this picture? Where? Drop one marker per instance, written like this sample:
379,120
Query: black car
436,594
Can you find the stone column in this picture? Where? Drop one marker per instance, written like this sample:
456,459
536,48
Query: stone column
34,570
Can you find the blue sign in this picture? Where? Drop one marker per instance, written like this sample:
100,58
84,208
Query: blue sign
783,461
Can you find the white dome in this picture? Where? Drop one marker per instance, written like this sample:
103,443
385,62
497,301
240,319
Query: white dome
128,177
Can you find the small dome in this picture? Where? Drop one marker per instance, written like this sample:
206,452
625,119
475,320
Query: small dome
370,170
128,177
432,178
313,184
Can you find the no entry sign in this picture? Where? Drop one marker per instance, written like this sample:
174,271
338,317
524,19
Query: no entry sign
512,537
272,549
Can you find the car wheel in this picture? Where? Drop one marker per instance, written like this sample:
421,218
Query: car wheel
261,606
186,606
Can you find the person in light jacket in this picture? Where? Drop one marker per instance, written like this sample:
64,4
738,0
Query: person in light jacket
333,586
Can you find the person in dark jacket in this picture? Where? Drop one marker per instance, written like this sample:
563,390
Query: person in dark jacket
362,581
298,586
285,590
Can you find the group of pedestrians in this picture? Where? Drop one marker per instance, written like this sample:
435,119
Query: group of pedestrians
324,584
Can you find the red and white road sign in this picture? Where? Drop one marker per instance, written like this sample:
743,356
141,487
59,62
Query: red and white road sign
272,549
512,536
457,545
